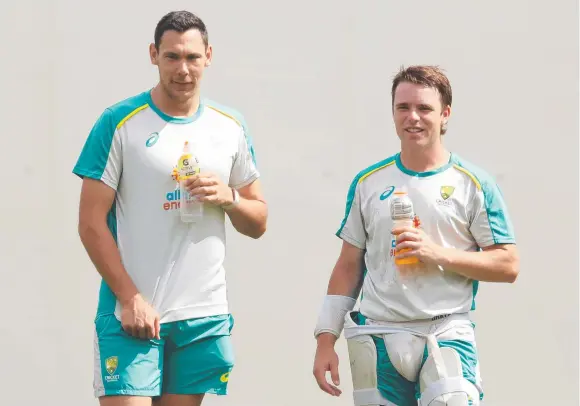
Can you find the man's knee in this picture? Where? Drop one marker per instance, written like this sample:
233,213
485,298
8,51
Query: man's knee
124,401
169,399
442,380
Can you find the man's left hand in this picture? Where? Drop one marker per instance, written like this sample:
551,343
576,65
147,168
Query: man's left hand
209,188
421,246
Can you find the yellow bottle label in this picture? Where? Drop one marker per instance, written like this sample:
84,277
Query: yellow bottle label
187,166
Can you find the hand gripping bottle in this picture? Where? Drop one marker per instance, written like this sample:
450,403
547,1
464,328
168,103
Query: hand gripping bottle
190,208
403,215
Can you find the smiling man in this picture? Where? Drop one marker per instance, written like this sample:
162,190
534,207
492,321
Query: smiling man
163,324
412,338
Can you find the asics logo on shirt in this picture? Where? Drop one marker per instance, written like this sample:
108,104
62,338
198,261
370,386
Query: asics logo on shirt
387,193
152,140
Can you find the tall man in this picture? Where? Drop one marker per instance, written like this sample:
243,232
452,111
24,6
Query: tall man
412,339
163,323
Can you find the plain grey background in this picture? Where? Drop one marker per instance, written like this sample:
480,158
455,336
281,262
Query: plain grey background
313,81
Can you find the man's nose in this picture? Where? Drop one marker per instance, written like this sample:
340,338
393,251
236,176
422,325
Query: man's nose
413,115
182,69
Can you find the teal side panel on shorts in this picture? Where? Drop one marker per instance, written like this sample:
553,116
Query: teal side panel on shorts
199,356
392,385
128,365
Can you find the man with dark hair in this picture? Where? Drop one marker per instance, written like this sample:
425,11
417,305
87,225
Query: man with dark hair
163,324
412,341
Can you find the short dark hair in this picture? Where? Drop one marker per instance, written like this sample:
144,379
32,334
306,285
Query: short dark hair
180,21
425,75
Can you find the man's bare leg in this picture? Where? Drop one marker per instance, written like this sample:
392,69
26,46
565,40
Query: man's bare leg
125,401
178,400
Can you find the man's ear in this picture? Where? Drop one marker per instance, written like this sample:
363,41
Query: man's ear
153,54
208,55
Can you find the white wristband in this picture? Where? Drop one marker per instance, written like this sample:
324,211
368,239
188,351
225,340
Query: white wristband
332,314
235,200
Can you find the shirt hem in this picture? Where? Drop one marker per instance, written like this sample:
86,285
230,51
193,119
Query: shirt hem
350,240
82,173
193,312
251,179
400,317
497,241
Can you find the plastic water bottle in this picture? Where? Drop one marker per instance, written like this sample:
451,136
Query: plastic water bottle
403,215
190,208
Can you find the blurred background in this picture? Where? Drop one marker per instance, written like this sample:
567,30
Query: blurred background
313,81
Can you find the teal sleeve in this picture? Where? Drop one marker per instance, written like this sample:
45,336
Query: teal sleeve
491,223
101,156
244,170
352,229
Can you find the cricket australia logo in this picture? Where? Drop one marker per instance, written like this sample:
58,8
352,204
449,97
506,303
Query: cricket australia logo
111,365
445,192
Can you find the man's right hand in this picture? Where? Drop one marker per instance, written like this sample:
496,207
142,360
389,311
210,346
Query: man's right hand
326,360
139,319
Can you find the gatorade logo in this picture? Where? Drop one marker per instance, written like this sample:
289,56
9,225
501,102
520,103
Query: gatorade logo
152,140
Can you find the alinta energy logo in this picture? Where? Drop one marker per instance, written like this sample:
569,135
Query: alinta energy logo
172,200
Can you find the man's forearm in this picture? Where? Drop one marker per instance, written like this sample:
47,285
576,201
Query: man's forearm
249,217
103,252
345,281
498,265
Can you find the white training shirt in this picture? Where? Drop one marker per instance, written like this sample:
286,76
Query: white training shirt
458,206
134,148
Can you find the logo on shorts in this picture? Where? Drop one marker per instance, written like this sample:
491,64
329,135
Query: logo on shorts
152,140
111,365
225,377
